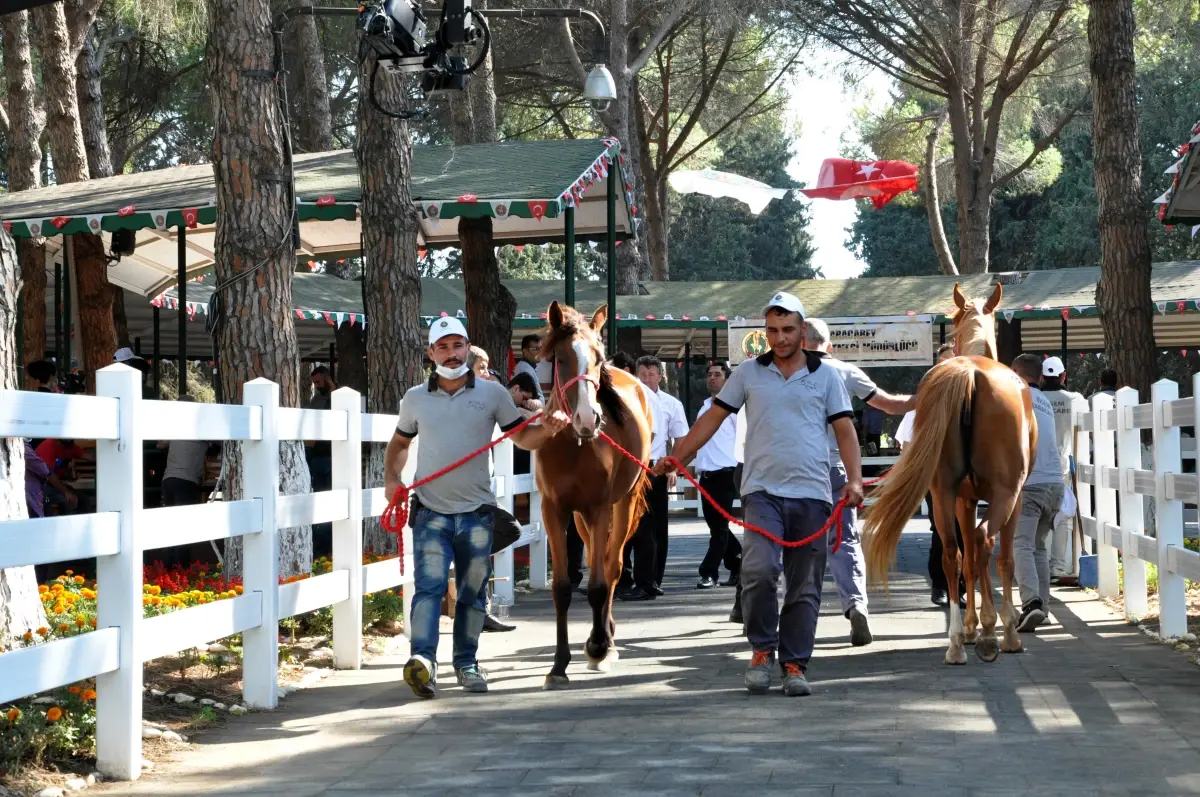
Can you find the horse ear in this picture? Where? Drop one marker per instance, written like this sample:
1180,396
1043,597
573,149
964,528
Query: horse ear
599,317
994,302
555,315
960,301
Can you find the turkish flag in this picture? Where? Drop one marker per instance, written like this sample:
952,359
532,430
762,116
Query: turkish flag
879,181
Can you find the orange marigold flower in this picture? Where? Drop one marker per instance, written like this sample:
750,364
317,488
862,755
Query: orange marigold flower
202,599
57,587
70,572
43,589
89,694
43,631
74,690
93,622
54,714
28,636
79,579
64,627
80,621
14,714
238,589
155,590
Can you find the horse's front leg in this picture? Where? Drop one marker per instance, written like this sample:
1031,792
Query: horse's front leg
555,523
599,648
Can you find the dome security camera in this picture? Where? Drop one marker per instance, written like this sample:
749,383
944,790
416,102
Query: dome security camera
600,89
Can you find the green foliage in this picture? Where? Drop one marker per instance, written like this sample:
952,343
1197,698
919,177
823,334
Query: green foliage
719,239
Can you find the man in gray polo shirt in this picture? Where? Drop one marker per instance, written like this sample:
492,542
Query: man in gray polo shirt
451,516
849,568
790,399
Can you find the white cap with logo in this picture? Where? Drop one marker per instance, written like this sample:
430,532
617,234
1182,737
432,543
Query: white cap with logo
785,301
1053,366
124,354
446,326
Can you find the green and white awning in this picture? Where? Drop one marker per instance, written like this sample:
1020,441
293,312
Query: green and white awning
524,186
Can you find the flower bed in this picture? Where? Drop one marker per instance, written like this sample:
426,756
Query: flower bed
58,727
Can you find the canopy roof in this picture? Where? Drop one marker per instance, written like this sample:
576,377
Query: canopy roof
660,310
1182,199
525,186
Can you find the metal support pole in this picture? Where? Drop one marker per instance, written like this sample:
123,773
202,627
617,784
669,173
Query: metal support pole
1064,340
687,383
333,361
714,345
157,351
613,176
58,319
941,333
181,239
569,258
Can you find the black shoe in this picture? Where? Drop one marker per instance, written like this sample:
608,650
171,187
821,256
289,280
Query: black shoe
938,597
1032,615
636,594
657,591
735,614
732,581
492,624
707,582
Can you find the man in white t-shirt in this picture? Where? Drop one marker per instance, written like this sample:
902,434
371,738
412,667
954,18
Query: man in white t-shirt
847,564
716,462
669,423
1065,404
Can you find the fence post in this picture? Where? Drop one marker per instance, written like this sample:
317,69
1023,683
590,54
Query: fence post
1106,499
119,604
348,533
1172,593
503,561
1129,459
1083,456
260,562
540,547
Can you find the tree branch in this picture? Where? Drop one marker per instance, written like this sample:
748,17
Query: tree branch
573,59
1041,146
668,23
933,205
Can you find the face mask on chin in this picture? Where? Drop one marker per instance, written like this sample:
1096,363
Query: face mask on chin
456,372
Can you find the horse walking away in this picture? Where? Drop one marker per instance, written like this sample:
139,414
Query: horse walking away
973,439
579,474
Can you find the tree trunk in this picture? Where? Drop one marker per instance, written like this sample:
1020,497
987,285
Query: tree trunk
656,229
481,93
91,108
392,283
933,202
98,331
972,193
974,259
25,123
256,335
351,356
20,608
491,307
1123,293
314,124
619,119
58,75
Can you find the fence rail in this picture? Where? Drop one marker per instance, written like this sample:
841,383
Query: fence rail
121,529
1111,472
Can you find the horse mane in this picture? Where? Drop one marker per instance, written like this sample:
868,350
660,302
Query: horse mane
574,324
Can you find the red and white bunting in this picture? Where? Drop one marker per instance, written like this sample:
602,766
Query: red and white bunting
537,209
501,208
160,219
35,228
433,212
93,223
191,217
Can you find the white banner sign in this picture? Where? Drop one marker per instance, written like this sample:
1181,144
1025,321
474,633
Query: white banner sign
866,342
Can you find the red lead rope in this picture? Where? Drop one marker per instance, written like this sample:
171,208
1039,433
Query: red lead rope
395,516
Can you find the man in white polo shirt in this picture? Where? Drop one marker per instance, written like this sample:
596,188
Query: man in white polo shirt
849,568
790,397
1054,376
716,463
451,517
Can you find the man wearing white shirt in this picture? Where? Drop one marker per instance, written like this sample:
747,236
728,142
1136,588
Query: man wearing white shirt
1054,374
642,581
715,463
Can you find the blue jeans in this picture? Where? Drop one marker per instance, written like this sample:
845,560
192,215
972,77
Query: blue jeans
847,565
438,540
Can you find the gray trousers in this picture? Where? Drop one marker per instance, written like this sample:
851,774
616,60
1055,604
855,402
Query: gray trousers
1039,504
1062,563
793,630
847,564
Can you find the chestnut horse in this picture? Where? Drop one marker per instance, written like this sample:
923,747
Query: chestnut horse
579,473
974,439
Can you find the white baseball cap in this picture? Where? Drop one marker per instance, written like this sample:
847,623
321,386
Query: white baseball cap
124,354
785,301
446,326
1053,366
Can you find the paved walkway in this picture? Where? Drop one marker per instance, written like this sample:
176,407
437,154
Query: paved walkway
1091,708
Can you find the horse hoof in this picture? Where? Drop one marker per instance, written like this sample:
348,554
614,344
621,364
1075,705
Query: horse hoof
554,682
987,648
971,637
956,658
1012,647
605,664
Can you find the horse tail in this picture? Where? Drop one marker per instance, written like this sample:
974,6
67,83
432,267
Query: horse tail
943,394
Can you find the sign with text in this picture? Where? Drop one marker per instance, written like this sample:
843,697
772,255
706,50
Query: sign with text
866,342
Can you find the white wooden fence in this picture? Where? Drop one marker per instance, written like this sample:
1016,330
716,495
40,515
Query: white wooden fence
120,420
1110,473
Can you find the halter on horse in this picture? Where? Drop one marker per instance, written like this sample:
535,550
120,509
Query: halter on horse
577,473
974,439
